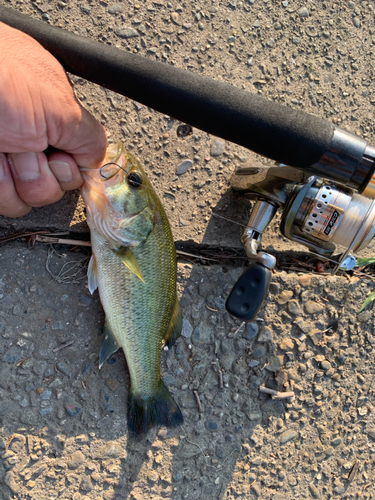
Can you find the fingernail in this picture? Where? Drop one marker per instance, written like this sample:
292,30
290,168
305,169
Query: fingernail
61,170
3,159
26,165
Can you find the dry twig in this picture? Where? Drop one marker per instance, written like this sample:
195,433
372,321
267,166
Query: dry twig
180,252
62,241
276,394
210,309
65,344
196,395
239,328
353,471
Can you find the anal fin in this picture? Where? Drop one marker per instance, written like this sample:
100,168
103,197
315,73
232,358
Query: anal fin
109,345
175,325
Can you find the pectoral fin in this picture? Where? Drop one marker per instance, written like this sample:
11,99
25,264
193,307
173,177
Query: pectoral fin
92,275
128,258
175,326
109,345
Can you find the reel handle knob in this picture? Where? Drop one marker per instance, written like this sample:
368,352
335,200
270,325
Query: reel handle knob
248,294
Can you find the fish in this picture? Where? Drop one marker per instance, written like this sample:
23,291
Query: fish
134,268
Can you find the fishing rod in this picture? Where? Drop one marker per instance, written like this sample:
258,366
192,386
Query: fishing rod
270,129
317,213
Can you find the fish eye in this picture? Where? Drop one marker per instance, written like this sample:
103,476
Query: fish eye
134,180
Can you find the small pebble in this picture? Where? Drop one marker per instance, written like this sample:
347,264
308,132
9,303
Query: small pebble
212,426
255,490
265,335
126,32
184,167
254,415
86,485
72,408
250,331
86,9
116,9
288,436
77,458
187,329
46,411
294,307
326,365
217,147
284,296
274,363
305,280
13,355
45,395
259,351
336,442
286,344
314,491
176,18
313,307
303,12
64,368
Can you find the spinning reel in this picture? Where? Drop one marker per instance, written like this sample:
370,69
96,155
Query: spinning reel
318,213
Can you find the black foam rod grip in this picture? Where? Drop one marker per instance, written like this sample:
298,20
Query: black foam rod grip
284,134
248,294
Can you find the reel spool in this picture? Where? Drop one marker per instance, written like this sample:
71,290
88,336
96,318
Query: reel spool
321,215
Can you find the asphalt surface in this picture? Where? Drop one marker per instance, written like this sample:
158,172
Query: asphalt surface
62,421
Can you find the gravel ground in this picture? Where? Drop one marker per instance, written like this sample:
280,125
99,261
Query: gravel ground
62,421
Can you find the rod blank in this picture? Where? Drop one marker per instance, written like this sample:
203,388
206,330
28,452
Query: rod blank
284,134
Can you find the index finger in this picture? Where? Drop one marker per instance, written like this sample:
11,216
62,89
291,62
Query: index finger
82,136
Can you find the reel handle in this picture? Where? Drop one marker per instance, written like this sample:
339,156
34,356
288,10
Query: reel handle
248,294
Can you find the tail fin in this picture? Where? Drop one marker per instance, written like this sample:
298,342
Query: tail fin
158,409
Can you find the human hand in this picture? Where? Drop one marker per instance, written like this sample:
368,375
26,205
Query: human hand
38,109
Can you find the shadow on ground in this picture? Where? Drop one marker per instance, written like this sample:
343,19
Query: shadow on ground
64,421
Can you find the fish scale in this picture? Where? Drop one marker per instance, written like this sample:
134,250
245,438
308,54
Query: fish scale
133,307
134,267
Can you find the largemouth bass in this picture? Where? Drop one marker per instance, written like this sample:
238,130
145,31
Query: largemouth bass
134,268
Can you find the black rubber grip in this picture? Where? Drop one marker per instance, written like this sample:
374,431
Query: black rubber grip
248,294
268,128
